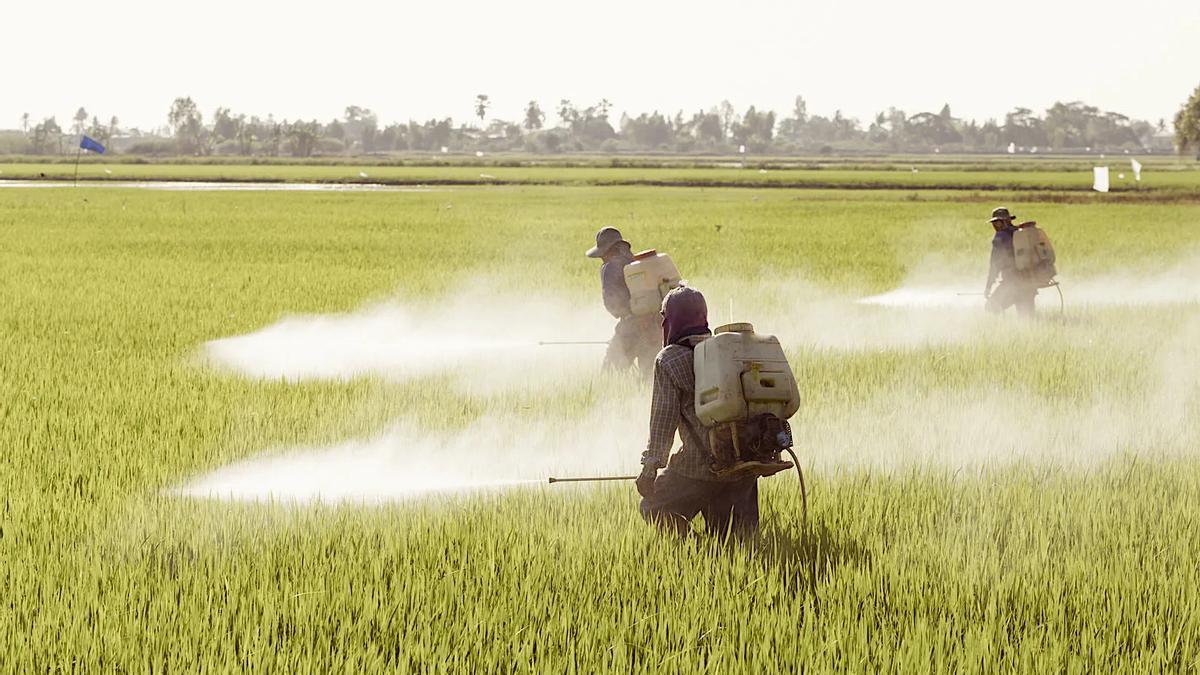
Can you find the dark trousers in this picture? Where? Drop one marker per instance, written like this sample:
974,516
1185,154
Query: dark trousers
635,340
726,507
1013,293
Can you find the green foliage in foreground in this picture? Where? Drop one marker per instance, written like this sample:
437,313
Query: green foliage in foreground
106,294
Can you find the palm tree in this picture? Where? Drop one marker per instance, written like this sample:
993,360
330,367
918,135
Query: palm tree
481,106
81,116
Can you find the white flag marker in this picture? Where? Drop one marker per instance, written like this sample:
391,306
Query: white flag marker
1137,169
1100,179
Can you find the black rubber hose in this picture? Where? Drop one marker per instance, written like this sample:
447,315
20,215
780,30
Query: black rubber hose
803,489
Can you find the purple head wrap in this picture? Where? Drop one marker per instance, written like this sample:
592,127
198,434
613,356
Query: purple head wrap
684,314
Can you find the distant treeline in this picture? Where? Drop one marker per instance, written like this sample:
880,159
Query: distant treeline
1063,128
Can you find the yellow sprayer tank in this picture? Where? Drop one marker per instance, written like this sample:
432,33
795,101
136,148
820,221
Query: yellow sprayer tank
740,374
1031,247
650,277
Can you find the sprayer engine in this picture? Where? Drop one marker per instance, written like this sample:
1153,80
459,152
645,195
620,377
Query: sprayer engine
745,390
750,448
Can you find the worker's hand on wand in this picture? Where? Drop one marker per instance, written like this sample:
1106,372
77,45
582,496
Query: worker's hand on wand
645,481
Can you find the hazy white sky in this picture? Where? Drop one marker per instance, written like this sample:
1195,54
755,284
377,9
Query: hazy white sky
131,58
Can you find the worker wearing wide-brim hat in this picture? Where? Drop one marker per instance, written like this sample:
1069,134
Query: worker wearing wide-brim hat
1014,290
635,340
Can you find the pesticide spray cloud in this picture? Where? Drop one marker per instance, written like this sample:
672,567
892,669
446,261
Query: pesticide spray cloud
483,340
892,431
927,288
910,425
495,451
803,315
489,344
984,428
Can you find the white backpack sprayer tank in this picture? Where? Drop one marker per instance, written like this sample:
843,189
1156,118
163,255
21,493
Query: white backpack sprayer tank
1034,257
1033,253
745,392
650,277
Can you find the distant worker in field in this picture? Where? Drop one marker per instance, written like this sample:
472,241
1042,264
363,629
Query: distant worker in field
637,336
1023,260
714,474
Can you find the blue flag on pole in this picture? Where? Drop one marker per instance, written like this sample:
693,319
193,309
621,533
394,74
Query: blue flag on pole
88,144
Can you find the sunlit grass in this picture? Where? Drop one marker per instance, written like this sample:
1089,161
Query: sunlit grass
1035,565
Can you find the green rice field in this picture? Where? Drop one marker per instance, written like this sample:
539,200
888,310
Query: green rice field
985,494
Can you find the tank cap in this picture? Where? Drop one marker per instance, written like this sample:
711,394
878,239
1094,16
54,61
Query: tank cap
648,253
734,328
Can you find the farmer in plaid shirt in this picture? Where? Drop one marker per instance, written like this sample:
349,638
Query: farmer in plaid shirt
688,485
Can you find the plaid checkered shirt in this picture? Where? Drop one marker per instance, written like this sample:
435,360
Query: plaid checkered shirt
673,407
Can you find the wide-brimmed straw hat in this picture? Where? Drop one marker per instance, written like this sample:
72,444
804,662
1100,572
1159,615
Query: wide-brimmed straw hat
606,238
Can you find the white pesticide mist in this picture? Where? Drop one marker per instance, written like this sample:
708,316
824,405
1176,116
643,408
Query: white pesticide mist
485,341
496,451
926,288
985,428
909,426
981,428
891,432
489,342
803,315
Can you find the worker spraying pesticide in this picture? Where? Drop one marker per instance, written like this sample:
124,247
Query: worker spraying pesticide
633,287
1023,260
728,395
